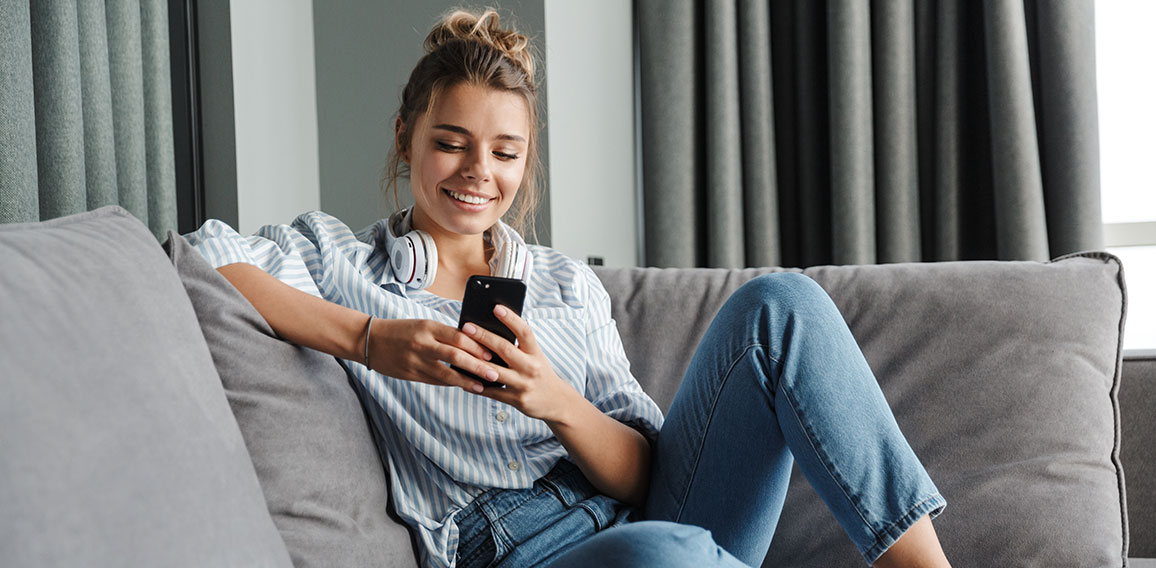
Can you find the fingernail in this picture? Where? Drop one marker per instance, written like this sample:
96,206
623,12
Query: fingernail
486,355
469,329
500,310
477,387
491,375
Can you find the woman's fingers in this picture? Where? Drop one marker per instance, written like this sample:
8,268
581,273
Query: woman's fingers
455,338
496,343
520,328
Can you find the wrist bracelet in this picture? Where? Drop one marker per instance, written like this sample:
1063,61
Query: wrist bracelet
368,327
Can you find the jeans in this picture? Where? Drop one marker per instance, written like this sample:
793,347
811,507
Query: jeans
777,378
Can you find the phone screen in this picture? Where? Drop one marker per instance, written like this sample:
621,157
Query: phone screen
482,294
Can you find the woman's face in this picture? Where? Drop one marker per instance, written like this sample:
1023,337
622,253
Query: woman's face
467,157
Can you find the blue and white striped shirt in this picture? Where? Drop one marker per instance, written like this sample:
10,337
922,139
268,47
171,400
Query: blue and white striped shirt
444,446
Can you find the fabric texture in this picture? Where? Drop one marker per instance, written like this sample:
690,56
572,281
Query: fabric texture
118,445
849,132
87,110
984,365
304,427
1137,452
445,446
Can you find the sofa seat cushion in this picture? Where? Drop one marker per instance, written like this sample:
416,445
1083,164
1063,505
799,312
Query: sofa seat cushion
1002,375
307,434
117,446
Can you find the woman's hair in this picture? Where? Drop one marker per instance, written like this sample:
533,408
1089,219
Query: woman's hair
473,49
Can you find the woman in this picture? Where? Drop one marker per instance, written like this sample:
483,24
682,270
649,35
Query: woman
565,460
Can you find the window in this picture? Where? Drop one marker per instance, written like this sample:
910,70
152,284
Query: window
1126,83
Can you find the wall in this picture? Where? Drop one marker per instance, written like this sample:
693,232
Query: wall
259,111
590,67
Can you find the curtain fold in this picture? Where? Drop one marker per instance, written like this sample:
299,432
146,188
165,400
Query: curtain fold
850,132
85,104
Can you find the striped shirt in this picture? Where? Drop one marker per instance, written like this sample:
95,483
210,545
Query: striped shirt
444,446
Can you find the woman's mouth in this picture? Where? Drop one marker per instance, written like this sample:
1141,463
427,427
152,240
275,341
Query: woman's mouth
466,198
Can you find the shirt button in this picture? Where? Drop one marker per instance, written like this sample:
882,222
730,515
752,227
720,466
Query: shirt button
501,416
514,466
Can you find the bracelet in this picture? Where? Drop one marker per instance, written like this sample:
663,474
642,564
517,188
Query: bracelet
368,327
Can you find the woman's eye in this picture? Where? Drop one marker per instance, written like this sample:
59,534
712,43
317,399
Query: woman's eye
506,156
449,147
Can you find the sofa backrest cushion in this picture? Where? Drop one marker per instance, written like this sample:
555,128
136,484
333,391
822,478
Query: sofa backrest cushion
1138,449
305,429
117,446
1003,376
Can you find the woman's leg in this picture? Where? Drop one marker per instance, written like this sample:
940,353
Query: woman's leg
778,375
649,543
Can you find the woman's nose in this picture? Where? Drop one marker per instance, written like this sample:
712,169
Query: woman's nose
476,166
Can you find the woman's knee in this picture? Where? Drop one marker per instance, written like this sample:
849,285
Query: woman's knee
786,292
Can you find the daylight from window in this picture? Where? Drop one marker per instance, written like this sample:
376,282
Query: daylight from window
1126,90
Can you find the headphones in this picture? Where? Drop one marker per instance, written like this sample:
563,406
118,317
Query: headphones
414,257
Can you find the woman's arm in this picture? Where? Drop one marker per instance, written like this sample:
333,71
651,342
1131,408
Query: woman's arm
613,456
406,349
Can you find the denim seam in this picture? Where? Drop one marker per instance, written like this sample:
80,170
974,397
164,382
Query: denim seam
913,514
824,458
710,418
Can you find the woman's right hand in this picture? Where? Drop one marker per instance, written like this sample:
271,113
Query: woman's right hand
422,350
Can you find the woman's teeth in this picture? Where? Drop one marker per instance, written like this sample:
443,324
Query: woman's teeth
467,198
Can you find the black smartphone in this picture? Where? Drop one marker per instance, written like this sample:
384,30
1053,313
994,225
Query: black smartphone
482,294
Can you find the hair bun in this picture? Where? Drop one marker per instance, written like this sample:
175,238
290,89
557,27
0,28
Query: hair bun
485,29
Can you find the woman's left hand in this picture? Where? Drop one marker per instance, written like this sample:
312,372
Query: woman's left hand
530,383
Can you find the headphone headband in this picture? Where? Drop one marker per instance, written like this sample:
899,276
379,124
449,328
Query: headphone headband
413,253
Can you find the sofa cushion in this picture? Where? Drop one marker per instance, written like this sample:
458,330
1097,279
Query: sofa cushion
1137,451
117,446
305,429
1003,376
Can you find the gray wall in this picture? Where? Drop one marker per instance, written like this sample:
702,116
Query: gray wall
364,52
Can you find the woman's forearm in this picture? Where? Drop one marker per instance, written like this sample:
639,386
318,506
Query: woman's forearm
613,456
299,317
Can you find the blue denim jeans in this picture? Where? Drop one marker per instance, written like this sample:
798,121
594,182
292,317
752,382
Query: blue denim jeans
777,378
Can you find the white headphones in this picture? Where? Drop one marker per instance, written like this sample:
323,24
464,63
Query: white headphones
414,257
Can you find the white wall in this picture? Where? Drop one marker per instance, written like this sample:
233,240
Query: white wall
275,111
590,71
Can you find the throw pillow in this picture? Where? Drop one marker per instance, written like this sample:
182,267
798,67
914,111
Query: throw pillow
305,429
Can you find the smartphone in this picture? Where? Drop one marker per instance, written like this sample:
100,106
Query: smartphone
482,294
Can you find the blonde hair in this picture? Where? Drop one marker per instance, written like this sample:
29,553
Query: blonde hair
468,48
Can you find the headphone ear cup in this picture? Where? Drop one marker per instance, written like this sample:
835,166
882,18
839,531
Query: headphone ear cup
414,259
515,262
427,267
403,259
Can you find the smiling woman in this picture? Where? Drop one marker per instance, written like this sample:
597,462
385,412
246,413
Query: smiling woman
567,461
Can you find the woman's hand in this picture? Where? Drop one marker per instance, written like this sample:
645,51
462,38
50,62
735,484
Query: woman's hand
613,456
530,383
419,350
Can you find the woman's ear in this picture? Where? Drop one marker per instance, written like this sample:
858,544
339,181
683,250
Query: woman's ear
398,132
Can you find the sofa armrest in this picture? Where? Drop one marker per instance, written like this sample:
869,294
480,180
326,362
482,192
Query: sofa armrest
1137,453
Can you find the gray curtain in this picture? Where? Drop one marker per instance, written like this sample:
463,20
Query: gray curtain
86,110
804,132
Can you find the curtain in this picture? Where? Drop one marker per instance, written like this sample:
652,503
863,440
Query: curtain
799,132
86,110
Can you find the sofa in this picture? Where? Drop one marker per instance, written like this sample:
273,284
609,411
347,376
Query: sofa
150,417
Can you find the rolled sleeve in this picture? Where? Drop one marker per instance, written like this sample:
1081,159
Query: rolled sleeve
279,250
611,387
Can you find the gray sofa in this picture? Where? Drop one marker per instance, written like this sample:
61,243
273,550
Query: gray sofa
148,416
